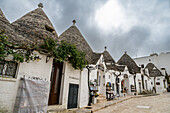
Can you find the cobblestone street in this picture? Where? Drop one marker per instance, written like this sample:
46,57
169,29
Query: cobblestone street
150,104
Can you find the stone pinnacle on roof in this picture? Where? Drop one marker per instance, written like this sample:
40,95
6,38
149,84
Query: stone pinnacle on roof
105,48
74,22
40,5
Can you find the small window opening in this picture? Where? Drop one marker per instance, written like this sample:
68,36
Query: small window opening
48,28
8,69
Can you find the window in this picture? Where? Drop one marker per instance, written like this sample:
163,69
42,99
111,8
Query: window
48,28
157,83
113,87
142,66
8,68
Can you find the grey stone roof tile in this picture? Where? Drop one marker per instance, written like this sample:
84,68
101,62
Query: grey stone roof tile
35,26
153,70
130,63
73,35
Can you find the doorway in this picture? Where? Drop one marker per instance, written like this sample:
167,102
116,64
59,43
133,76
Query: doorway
55,85
73,96
140,88
146,84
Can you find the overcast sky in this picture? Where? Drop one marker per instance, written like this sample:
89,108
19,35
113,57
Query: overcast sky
139,27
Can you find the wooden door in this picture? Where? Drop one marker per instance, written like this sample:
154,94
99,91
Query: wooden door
55,85
73,96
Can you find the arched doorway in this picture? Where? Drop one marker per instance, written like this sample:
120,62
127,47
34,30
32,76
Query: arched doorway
125,84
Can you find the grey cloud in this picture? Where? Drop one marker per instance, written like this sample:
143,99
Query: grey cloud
151,33
130,41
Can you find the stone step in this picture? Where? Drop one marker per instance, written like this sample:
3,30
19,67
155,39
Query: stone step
57,111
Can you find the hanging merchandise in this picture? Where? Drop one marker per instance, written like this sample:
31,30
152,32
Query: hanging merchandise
108,84
32,96
122,84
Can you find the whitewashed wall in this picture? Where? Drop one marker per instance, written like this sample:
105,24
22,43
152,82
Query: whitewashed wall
9,86
131,82
93,75
102,83
84,93
121,77
113,80
160,88
75,77
138,80
160,61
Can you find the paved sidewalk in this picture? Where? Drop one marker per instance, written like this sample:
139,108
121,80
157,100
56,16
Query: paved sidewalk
99,106
152,104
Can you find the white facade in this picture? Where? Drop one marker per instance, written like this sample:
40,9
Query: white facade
9,86
42,69
161,61
159,84
72,76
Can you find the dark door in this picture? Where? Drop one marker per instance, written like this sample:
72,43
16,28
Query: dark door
140,88
143,82
56,76
73,96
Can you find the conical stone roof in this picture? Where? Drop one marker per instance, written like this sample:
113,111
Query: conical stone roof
2,17
150,66
9,30
153,70
95,57
130,63
73,35
35,25
107,57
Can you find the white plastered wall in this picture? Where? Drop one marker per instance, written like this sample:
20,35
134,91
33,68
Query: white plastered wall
75,77
9,86
160,61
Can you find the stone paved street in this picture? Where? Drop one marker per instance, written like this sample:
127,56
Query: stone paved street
150,104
